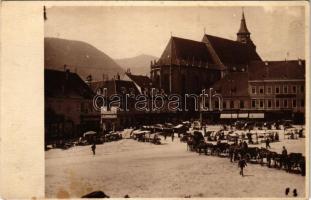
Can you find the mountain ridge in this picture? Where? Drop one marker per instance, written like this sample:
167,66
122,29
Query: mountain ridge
139,65
79,56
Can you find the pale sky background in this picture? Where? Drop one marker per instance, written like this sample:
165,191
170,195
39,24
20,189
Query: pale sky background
121,32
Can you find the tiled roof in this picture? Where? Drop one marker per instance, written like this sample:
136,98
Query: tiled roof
234,84
115,86
61,84
232,52
279,70
184,51
125,86
141,81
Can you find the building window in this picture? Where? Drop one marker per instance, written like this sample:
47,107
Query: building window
241,104
269,103
302,103
294,103
277,103
253,103
269,90
231,104
224,105
253,89
294,89
261,103
277,90
285,105
285,89
261,90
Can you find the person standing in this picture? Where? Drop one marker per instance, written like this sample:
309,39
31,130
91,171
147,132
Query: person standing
283,157
231,152
173,136
93,147
242,163
245,146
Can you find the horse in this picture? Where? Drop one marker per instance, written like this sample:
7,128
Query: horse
221,148
251,153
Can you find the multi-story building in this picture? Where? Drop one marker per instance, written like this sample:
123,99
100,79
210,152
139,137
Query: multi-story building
68,105
276,89
278,86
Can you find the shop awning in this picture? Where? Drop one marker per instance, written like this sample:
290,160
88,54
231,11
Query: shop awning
243,115
256,115
228,116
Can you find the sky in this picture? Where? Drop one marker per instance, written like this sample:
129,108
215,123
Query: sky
128,31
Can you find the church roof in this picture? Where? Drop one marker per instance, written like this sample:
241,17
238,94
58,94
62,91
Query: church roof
234,84
277,70
180,50
231,52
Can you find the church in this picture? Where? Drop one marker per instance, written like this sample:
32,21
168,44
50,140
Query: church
188,66
249,86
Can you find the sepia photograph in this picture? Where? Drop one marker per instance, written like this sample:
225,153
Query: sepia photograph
173,101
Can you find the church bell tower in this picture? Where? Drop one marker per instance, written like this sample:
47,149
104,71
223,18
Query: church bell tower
244,36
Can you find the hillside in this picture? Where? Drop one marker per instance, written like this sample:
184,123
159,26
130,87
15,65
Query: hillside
80,57
139,65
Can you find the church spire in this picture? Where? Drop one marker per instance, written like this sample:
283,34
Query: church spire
243,27
244,35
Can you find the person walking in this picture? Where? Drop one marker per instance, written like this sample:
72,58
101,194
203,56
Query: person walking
93,147
268,143
173,136
242,163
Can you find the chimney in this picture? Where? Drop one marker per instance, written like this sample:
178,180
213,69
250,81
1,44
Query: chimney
299,62
66,76
89,79
67,72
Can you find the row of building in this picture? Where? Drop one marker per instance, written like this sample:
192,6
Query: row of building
250,87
